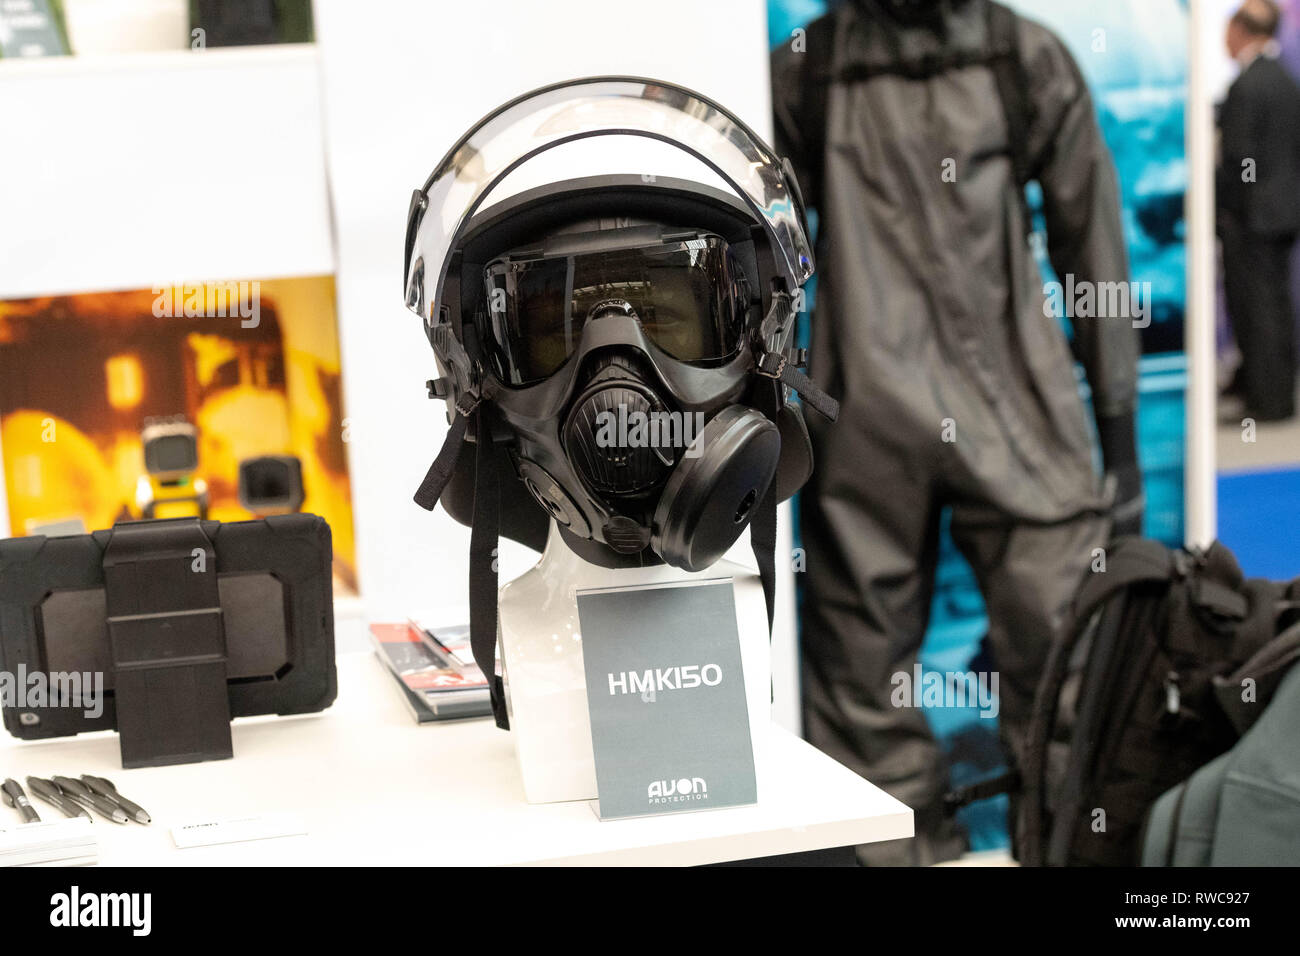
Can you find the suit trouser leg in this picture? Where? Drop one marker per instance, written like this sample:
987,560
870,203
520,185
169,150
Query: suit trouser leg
1276,348
1256,275
1028,574
871,548
1236,295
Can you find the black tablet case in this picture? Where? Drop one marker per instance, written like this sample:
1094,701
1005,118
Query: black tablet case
274,579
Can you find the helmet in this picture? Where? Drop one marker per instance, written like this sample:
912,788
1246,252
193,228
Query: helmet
620,343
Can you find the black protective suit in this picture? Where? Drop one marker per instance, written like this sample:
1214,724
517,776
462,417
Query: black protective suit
957,389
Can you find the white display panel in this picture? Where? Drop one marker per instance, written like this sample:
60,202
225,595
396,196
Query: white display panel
126,171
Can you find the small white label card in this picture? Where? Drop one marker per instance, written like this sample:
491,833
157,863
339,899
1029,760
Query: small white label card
260,826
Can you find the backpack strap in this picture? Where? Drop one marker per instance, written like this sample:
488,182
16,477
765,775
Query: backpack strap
1013,87
1129,562
1266,669
1122,642
813,95
1221,605
1003,58
1175,822
1007,781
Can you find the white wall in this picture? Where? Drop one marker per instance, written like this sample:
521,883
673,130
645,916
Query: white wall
401,82
1220,69
124,171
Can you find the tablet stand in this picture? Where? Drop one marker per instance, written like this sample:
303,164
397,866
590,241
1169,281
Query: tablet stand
168,643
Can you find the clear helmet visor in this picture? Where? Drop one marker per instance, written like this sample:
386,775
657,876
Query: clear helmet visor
598,106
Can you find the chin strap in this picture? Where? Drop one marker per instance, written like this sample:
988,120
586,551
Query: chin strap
483,540
430,490
762,527
784,372
777,365
768,399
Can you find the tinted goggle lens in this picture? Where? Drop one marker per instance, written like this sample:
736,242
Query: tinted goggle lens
691,298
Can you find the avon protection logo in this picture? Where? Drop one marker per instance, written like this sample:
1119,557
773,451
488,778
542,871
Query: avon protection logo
677,791
74,909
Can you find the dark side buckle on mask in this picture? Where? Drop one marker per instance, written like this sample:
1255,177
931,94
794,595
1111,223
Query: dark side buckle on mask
774,363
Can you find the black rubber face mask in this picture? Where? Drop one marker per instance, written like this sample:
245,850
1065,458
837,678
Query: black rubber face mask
629,461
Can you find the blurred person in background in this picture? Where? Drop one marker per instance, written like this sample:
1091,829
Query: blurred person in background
913,126
1258,198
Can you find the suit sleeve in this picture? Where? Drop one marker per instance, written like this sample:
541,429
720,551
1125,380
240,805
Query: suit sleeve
1232,146
1240,138
1081,201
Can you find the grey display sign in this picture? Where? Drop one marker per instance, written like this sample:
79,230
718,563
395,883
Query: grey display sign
666,694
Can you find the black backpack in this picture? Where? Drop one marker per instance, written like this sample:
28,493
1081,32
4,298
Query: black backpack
1141,689
1129,704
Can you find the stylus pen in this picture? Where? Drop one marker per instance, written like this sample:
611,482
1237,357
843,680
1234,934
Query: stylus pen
16,797
51,794
78,791
105,788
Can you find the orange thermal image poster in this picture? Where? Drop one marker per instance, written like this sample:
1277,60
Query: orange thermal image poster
253,366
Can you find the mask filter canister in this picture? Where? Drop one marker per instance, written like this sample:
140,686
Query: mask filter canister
716,487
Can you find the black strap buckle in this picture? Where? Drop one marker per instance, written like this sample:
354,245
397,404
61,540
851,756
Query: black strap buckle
467,402
771,330
771,365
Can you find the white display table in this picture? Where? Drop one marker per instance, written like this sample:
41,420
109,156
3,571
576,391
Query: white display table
375,788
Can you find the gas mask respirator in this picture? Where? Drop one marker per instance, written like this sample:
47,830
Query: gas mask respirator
623,368
614,349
